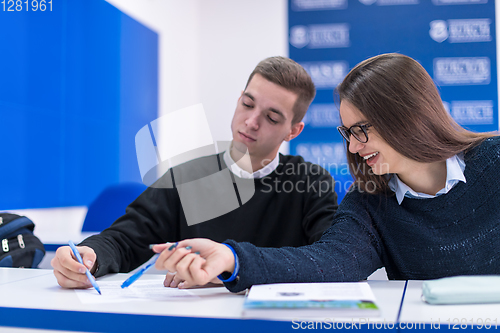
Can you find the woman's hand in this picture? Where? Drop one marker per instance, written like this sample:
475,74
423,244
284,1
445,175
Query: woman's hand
172,280
195,261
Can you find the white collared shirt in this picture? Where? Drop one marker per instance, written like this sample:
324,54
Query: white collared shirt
266,170
455,167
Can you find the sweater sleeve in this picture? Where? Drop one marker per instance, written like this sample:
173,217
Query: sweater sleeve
148,220
320,203
350,250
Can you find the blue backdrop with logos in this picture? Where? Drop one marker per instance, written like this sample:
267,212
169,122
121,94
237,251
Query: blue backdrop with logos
453,39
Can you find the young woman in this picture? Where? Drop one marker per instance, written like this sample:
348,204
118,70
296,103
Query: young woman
425,203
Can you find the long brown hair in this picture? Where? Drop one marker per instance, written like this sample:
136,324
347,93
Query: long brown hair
399,98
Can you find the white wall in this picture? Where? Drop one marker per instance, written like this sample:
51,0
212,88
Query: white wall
235,36
208,48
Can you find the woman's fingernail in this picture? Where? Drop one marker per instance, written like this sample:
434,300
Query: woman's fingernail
189,247
197,252
151,246
181,285
172,247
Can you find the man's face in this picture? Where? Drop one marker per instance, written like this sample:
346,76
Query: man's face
263,119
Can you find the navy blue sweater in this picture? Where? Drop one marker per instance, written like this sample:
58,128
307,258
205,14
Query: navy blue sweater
457,233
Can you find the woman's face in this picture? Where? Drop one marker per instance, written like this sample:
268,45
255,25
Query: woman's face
377,153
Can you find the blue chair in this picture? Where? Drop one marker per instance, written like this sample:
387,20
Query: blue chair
110,205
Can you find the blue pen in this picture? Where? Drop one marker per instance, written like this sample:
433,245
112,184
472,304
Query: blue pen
87,272
138,274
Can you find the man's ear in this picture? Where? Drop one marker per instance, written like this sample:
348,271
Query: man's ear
295,131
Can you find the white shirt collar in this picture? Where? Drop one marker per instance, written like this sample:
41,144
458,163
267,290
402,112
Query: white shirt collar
266,170
455,167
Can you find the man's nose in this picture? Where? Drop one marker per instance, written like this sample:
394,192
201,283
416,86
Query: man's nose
253,120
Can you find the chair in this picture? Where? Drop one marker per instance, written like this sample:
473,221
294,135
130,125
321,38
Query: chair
110,204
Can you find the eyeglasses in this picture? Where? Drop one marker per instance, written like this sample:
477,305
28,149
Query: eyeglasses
357,131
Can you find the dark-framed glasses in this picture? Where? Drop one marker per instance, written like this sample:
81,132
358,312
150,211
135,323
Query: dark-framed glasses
357,131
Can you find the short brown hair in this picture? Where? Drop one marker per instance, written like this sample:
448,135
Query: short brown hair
290,75
400,100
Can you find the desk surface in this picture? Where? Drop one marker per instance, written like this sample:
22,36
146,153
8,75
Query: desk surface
32,298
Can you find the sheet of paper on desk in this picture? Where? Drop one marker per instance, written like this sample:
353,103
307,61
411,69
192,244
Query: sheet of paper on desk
140,290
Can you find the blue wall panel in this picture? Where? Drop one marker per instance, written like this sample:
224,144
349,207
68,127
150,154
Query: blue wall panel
76,85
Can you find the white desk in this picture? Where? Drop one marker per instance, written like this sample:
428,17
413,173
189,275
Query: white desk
32,298
10,275
459,317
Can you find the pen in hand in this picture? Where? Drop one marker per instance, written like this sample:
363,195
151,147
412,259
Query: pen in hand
139,273
87,272
143,270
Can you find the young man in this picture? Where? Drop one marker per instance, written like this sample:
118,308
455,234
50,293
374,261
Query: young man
293,203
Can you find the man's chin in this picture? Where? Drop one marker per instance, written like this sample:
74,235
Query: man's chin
240,147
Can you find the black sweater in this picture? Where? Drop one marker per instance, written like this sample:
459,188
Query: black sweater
290,207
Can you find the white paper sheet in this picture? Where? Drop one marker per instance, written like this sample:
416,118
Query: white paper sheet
111,292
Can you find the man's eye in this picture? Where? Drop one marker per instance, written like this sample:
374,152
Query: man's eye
272,120
246,105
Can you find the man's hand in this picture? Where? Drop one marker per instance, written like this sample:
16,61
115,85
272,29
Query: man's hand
194,261
68,271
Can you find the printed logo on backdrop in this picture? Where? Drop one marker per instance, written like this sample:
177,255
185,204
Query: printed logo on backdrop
461,31
302,5
462,71
439,31
326,74
327,155
299,36
458,2
389,2
322,115
471,112
318,36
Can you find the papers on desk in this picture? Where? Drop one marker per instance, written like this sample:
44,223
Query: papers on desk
310,300
140,290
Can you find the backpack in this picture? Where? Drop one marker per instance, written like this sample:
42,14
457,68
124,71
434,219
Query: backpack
19,247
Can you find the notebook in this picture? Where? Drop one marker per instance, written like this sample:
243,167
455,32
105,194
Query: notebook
310,300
